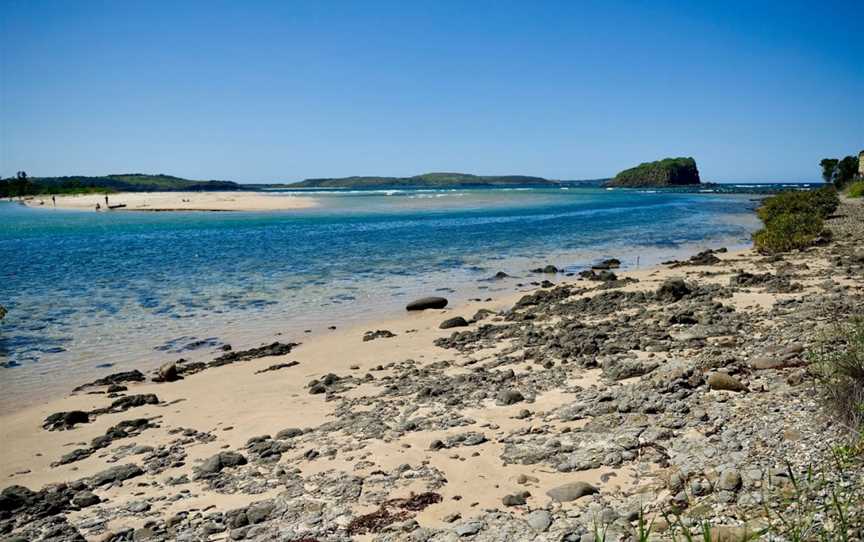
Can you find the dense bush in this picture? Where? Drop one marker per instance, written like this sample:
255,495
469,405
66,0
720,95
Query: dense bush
794,219
788,231
822,202
856,190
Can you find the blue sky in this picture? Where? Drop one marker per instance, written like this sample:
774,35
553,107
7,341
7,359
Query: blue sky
281,91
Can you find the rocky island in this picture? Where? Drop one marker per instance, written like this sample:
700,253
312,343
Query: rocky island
661,173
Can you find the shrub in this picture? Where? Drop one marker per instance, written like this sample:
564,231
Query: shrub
788,231
838,365
856,190
822,202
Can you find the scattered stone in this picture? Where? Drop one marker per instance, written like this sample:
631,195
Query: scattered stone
456,321
539,520
377,334
220,461
723,381
571,492
167,373
508,397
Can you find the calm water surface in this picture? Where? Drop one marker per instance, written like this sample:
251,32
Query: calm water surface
90,293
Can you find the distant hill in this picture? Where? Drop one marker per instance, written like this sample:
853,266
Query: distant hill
427,180
131,182
667,172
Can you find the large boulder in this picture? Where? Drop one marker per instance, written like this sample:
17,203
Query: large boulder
427,303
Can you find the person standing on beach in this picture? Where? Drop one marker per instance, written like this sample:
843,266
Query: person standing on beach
54,200
106,200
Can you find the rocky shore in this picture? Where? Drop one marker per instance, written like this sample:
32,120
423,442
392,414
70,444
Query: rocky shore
677,397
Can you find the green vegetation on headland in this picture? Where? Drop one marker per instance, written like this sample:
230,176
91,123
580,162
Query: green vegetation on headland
22,185
667,172
427,180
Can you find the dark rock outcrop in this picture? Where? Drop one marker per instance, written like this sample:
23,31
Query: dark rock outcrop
427,303
666,172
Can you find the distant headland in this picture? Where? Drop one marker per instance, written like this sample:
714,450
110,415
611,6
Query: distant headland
427,180
666,172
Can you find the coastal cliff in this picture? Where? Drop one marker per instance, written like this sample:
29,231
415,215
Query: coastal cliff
667,172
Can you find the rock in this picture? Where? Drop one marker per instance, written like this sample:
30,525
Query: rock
427,303
258,512
83,499
628,368
130,401
14,497
513,500
508,397
548,269
666,172
378,334
272,349
289,433
65,420
482,314
611,263
456,321
115,474
729,480
167,373
777,358
539,520
723,381
116,378
220,461
500,275
469,528
672,290
571,492
317,389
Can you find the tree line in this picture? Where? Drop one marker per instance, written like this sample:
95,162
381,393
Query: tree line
839,172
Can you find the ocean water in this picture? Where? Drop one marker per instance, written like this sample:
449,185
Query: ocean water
90,293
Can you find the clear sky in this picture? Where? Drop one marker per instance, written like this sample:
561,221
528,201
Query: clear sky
284,90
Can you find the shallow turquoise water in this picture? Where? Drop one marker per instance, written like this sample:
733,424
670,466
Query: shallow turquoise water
85,290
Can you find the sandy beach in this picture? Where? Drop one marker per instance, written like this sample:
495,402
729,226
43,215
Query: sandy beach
177,201
483,428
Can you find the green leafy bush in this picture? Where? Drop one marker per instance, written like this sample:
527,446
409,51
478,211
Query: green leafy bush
856,190
794,219
788,231
822,202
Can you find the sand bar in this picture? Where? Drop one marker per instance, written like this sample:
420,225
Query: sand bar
178,201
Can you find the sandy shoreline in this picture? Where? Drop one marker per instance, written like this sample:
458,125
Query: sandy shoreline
222,408
177,201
